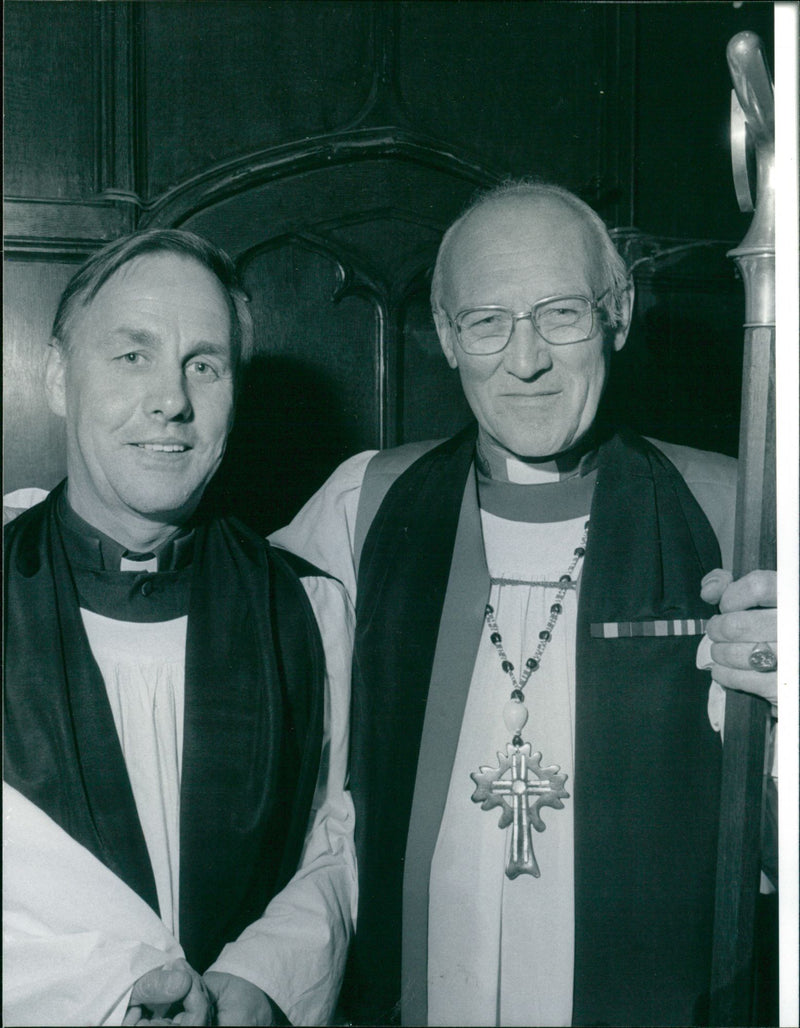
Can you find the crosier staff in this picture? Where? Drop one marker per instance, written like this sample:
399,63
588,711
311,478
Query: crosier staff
746,716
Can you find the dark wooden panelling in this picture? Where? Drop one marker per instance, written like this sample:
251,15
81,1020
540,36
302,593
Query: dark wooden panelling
393,243
36,226
361,129
35,453
293,291
337,195
679,376
119,95
523,82
51,99
383,220
223,79
683,176
216,196
311,397
432,405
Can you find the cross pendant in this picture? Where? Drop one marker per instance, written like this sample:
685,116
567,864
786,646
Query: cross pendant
509,787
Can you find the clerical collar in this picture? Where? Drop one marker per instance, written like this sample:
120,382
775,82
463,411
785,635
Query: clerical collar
97,551
498,464
536,491
556,500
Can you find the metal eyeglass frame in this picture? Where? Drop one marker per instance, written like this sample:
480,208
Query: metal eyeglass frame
522,316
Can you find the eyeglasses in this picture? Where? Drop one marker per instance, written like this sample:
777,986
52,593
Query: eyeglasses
558,320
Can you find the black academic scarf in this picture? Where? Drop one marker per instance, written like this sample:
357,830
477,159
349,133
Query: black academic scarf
646,778
252,723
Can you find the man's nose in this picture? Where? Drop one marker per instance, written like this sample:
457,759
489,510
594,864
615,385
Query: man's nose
168,395
527,354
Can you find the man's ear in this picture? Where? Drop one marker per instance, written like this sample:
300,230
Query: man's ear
626,315
446,335
54,380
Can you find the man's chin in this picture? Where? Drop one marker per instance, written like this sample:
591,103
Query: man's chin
169,499
165,510
538,447
539,452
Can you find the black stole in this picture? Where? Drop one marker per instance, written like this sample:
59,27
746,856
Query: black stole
646,778
252,723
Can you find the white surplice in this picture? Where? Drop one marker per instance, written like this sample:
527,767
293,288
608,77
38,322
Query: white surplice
75,961
324,533
142,664
525,973
75,937
501,951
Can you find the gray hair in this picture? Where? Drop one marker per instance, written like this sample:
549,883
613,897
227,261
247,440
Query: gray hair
87,282
617,279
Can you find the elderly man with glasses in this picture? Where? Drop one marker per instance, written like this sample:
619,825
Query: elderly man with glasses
534,759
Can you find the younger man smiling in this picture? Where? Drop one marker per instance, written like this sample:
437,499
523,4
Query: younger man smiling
170,685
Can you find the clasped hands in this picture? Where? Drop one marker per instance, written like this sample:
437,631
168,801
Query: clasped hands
213,999
747,617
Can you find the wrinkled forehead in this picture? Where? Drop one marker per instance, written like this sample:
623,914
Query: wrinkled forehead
168,280
162,288
537,244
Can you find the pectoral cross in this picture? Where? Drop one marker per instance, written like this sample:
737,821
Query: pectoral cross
513,794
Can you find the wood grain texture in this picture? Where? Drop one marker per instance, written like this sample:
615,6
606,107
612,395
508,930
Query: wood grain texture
51,98
682,111
746,717
368,126
494,78
31,225
311,396
35,441
247,76
739,862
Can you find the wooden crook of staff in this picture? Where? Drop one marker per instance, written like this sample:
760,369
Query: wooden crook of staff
746,717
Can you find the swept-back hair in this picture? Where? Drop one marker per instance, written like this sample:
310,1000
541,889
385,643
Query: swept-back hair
92,276
617,279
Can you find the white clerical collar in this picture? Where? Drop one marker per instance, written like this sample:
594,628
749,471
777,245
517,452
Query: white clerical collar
91,548
495,462
138,562
531,474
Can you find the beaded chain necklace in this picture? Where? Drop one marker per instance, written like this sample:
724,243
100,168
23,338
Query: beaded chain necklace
509,786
